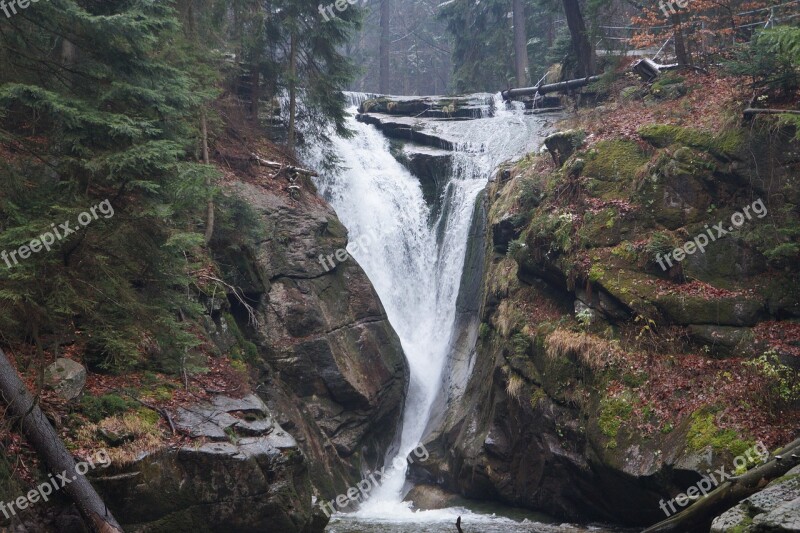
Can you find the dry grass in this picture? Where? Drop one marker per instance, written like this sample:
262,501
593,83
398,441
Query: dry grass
138,431
588,350
514,386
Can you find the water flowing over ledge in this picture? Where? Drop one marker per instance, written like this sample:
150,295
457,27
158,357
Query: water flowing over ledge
415,254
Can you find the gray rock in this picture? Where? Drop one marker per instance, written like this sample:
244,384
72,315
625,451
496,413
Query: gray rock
225,417
430,497
786,517
66,377
725,341
563,144
774,509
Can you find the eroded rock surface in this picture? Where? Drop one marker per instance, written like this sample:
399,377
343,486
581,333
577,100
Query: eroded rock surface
244,472
774,509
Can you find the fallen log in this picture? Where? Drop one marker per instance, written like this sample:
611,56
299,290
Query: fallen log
648,69
698,517
750,112
281,167
23,409
548,88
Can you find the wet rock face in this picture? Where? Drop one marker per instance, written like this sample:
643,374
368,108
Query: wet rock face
428,106
774,509
333,368
531,427
245,474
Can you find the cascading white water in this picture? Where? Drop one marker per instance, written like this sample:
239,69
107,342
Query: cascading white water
415,264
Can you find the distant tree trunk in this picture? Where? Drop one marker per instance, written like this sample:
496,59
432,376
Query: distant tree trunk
292,90
22,407
580,38
207,160
520,42
68,52
385,42
680,44
255,91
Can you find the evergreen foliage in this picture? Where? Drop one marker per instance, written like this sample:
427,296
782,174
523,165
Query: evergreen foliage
103,101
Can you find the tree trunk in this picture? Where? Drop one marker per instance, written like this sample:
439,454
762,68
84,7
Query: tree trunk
549,88
520,42
385,42
207,161
580,38
255,92
680,44
43,438
698,517
292,90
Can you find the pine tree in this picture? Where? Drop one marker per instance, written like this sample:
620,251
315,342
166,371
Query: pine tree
100,108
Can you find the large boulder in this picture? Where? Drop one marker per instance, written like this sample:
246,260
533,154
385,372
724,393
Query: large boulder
563,144
244,473
774,509
332,367
66,377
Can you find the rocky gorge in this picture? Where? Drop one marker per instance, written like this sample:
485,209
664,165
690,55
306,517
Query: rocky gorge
599,383
582,380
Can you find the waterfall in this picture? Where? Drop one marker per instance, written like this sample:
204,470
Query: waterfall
415,263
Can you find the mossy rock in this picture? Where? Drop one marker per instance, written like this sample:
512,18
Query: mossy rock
669,88
630,93
724,263
563,144
679,189
725,341
704,433
601,229
783,295
615,161
725,145
730,311
633,289
613,413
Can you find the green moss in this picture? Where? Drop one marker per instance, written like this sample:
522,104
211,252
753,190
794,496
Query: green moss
625,251
613,412
521,344
668,79
537,395
484,331
724,145
615,161
245,350
148,416
600,230
163,393
552,228
596,273
703,432
96,408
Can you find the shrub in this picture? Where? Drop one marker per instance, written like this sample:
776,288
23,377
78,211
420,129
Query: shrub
96,408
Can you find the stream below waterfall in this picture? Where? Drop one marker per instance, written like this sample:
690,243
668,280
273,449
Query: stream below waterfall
414,256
